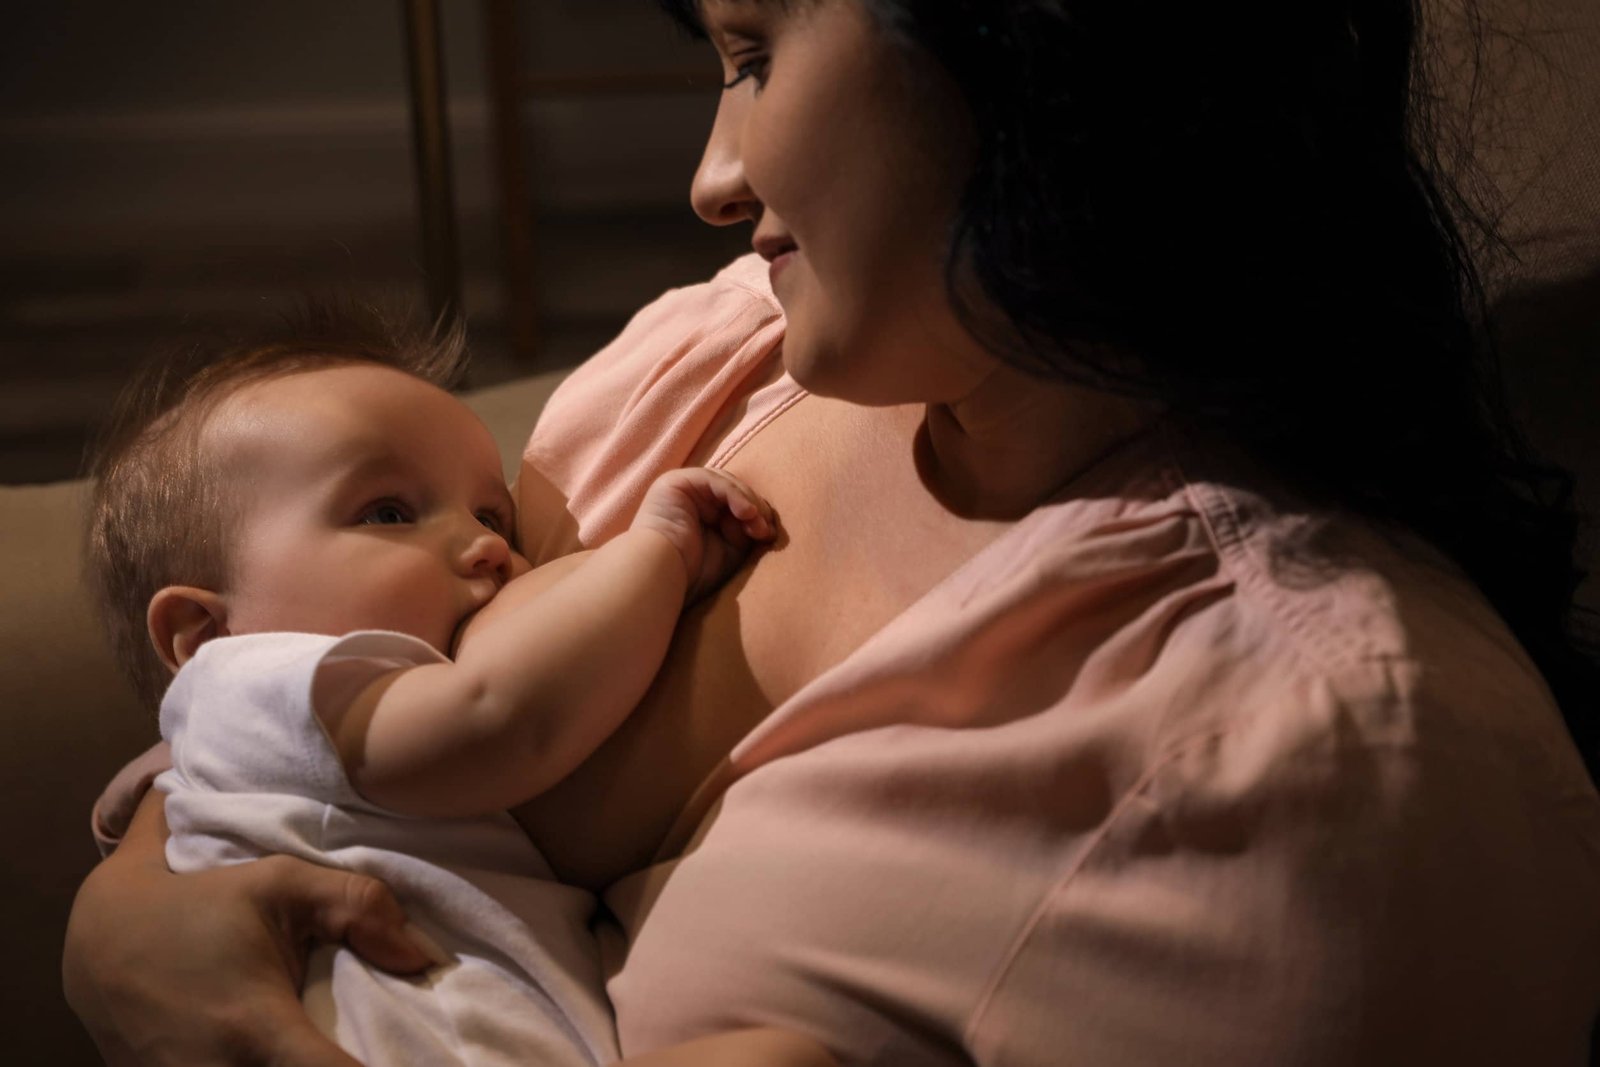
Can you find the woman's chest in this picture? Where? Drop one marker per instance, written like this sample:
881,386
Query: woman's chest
861,541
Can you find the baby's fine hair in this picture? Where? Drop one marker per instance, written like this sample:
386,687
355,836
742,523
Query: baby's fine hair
158,513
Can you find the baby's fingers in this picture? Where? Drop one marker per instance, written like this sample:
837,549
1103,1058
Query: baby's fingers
735,534
743,503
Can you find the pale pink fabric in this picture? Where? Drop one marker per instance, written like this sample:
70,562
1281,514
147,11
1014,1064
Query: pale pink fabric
1135,785
678,376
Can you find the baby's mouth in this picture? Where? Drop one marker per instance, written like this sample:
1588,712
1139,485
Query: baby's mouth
460,631
461,628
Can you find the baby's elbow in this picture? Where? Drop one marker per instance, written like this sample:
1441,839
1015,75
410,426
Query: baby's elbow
494,720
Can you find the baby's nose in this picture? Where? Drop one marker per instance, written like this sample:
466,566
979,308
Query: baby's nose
487,553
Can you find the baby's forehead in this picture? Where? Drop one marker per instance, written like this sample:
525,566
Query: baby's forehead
330,397
343,412
347,384
271,411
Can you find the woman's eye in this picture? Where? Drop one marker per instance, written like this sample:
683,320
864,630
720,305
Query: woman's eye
385,515
751,68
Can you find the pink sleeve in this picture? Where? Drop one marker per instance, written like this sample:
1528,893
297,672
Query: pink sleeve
1344,903
655,397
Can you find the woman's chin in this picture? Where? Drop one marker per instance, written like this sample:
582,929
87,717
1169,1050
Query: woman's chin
834,376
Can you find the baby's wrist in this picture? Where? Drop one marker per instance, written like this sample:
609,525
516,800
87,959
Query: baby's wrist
666,545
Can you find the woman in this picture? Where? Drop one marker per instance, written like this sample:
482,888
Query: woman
1122,694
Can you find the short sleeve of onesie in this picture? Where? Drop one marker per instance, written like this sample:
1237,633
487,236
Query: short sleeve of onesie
248,750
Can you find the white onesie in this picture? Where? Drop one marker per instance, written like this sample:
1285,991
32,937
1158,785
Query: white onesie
254,774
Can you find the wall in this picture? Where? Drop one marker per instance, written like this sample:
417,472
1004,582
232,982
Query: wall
193,161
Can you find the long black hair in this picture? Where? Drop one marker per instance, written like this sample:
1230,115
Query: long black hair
1246,211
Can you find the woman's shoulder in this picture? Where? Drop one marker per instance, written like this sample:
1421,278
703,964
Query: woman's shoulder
1341,641
1347,824
681,340
652,398
1349,802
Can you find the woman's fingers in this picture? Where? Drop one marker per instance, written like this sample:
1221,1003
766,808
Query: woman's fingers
300,1043
167,970
310,903
205,968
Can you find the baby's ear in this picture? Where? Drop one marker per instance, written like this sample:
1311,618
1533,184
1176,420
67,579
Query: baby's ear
181,618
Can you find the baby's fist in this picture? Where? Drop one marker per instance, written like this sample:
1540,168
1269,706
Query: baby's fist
712,519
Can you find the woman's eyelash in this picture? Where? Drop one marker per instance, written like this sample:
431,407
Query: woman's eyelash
750,68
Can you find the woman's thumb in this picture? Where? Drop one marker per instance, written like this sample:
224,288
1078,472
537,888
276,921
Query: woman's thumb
361,912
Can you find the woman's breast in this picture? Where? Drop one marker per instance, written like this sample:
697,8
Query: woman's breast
851,507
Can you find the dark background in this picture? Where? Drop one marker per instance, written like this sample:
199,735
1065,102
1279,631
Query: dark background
167,166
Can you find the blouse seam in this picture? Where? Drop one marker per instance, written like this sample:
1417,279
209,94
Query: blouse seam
731,448
1218,512
1387,748
1028,928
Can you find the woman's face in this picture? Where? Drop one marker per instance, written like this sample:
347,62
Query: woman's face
848,156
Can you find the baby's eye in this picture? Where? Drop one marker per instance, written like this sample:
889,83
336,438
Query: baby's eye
387,513
492,522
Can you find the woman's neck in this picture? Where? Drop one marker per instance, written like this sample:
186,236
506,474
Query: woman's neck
1015,440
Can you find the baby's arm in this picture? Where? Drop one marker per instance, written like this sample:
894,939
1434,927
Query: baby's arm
541,685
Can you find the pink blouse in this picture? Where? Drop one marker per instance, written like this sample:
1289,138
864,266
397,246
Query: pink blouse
1171,772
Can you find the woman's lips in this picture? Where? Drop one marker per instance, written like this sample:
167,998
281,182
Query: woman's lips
780,263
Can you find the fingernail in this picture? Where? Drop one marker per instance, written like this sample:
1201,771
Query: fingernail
426,945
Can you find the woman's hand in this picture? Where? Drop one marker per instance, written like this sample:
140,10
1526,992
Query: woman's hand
206,968
741,1048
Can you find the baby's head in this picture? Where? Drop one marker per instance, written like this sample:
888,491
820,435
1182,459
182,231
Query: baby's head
320,480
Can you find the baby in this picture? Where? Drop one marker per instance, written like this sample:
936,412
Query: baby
295,534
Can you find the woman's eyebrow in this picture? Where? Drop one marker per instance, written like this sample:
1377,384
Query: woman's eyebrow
704,7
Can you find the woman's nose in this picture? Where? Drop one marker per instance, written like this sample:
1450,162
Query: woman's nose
720,193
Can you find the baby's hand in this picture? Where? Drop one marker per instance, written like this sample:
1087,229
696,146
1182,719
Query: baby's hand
711,518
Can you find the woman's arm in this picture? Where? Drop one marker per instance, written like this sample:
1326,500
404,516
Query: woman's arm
167,969
741,1048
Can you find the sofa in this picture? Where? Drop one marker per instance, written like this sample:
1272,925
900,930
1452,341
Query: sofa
71,720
